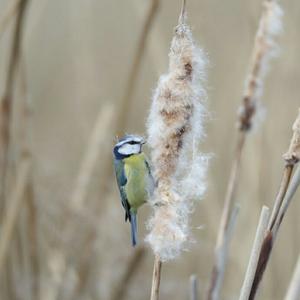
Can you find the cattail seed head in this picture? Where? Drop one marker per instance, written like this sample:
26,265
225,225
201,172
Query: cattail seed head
175,128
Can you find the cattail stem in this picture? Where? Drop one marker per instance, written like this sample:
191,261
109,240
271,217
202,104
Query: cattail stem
259,237
156,278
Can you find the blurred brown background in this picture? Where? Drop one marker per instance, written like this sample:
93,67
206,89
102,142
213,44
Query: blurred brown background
75,59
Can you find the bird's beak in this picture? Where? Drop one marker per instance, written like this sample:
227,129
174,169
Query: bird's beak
144,142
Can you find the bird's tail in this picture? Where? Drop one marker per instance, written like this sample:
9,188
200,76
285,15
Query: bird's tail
133,223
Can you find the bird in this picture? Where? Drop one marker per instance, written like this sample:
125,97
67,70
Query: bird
134,178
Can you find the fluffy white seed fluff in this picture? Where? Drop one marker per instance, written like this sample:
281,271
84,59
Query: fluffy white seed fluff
175,128
265,48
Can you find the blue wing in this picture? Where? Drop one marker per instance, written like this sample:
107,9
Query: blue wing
122,180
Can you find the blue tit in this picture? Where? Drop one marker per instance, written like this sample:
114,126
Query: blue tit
134,177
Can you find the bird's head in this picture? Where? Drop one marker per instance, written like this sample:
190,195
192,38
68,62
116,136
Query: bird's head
128,145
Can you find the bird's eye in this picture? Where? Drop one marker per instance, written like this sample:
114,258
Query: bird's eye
131,142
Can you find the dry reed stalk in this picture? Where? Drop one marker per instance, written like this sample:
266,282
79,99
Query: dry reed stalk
8,14
263,50
6,101
156,278
133,264
286,192
194,287
258,240
13,210
293,292
125,105
7,161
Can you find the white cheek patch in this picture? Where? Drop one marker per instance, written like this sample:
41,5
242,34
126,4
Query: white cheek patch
128,149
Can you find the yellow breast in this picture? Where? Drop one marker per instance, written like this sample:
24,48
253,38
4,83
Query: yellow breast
136,173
